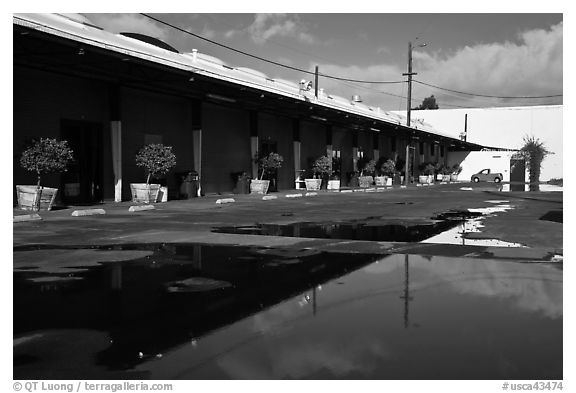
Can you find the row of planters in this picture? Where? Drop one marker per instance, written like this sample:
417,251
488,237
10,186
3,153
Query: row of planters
384,172
48,155
52,156
430,171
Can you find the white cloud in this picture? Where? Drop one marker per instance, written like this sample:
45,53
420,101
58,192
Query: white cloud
533,66
266,26
133,23
530,67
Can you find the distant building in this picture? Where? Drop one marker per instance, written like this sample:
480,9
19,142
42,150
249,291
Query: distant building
504,128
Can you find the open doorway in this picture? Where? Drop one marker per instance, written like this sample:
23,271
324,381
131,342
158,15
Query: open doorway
82,183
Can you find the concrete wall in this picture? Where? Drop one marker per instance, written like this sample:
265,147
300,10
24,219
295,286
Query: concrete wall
505,128
279,129
41,101
225,146
154,118
313,138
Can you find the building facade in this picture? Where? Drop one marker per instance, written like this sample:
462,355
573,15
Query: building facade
110,94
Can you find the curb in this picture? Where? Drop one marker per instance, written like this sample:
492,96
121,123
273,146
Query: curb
27,217
87,212
141,208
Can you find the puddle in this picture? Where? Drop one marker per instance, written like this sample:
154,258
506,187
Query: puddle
369,230
150,303
449,227
457,235
331,317
526,188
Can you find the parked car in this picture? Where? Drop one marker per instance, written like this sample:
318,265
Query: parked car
487,175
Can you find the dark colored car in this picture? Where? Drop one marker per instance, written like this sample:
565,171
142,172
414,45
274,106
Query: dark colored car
486,175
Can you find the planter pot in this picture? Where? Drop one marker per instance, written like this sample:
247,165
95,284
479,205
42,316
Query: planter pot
145,193
430,179
259,186
313,184
453,177
389,181
32,198
439,177
365,181
381,180
445,177
423,179
333,184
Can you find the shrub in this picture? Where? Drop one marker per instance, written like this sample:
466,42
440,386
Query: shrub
322,166
156,159
534,151
456,169
388,168
270,163
46,155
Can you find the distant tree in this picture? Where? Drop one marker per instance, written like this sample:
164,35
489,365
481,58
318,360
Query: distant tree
534,151
428,103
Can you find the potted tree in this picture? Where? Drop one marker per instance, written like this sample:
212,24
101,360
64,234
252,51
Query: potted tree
322,168
426,173
380,178
438,170
44,156
446,171
334,179
366,168
389,170
267,165
456,169
157,160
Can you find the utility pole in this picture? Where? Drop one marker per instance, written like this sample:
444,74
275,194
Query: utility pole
409,103
316,82
409,74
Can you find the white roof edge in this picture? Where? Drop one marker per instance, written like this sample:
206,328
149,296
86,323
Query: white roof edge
109,41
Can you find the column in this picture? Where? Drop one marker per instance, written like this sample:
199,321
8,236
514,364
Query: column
296,141
116,140
254,143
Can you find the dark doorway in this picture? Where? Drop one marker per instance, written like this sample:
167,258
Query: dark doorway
267,147
517,174
82,183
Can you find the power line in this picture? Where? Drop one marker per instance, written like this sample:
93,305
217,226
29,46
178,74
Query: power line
262,58
484,95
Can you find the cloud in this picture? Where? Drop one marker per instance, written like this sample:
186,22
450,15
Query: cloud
266,26
133,23
532,66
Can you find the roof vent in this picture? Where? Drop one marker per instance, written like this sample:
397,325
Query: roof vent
356,98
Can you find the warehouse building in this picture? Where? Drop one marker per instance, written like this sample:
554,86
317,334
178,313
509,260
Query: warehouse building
110,94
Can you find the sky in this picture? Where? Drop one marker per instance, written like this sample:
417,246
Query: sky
505,55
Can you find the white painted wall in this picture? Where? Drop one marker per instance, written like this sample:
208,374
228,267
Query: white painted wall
474,161
505,128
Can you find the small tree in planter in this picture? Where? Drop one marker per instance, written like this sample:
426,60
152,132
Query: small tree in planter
366,168
456,169
322,170
388,169
267,164
426,172
44,156
157,160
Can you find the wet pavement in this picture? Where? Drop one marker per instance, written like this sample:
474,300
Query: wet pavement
428,283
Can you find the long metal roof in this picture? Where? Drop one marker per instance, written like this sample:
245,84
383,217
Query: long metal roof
79,29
